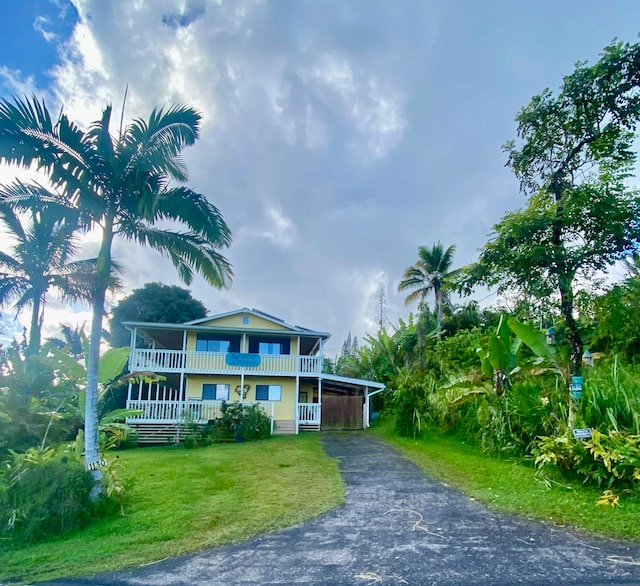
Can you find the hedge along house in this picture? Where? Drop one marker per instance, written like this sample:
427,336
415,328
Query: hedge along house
246,356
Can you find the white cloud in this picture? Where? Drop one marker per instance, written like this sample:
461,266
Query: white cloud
281,230
40,24
16,82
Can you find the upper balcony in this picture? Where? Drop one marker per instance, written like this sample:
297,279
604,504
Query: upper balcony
223,362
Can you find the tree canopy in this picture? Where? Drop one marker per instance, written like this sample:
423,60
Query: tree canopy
572,157
153,302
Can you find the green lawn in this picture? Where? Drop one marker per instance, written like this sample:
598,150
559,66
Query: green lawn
186,500
512,486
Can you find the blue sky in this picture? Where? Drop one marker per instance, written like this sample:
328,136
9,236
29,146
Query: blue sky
338,135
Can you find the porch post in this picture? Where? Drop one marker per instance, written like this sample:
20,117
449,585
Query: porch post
183,365
129,394
242,386
320,398
296,405
366,415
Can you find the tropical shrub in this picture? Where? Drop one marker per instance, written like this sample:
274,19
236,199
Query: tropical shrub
607,459
44,495
238,422
611,397
409,401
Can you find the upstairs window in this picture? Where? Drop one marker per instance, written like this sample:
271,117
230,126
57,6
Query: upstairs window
215,392
217,343
270,348
268,392
269,345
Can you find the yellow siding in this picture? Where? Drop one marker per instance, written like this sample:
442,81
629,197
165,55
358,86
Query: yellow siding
283,410
235,321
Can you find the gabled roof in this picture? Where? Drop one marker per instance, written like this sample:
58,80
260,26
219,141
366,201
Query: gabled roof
197,324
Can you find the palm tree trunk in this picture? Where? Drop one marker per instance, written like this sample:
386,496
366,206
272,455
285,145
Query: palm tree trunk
91,428
438,304
36,327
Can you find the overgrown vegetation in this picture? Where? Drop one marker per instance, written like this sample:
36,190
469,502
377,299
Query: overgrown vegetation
45,489
238,422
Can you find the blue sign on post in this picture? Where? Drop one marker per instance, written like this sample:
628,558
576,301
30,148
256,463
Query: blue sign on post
576,386
242,359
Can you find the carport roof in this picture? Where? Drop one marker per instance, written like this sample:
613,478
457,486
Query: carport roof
352,381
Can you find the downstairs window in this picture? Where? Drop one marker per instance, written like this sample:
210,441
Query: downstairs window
216,392
268,392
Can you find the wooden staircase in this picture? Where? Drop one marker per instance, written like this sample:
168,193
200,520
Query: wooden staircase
157,433
284,427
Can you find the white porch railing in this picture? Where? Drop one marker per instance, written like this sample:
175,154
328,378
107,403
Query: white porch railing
185,411
214,362
156,360
309,413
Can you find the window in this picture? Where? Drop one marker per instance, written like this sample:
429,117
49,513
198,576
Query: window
215,392
268,392
269,345
245,319
270,348
217,343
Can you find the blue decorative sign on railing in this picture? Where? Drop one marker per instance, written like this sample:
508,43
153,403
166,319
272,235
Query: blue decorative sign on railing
242,359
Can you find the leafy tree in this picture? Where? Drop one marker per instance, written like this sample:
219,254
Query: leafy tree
572,157
430,273
40,260
153,302
122,186
617,321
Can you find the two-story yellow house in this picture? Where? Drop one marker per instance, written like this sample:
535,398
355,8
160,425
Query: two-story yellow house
246,356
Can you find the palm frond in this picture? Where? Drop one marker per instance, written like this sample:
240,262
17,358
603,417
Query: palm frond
12,288
195,211
187,251
156,144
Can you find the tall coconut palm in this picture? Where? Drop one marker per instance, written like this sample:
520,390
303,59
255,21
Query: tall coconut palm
121,185
39,260
430,273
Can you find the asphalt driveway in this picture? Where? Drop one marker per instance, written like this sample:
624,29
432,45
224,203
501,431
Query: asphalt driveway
398,526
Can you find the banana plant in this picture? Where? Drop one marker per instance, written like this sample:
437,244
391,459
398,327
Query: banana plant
547,360
500,360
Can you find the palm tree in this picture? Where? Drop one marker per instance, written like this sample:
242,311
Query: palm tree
39,260
430,273
121,186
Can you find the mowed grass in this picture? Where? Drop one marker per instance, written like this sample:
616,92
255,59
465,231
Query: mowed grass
513,486
185,500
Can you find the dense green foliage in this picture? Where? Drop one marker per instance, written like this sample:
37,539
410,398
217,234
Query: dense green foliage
238,422
41,496
45,489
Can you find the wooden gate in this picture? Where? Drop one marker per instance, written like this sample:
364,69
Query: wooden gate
341,412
